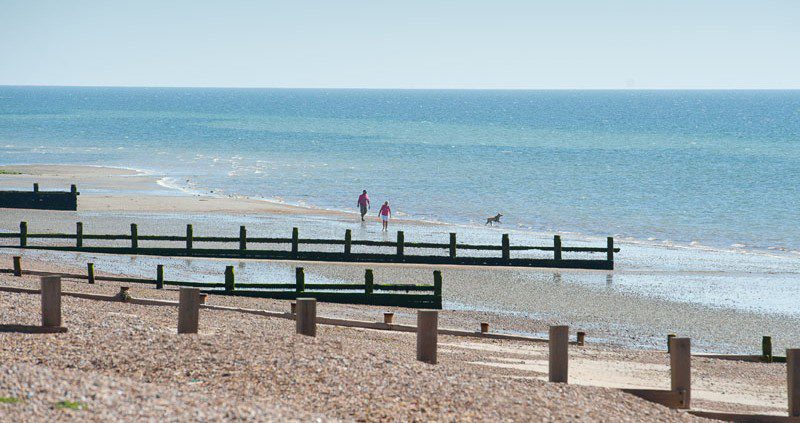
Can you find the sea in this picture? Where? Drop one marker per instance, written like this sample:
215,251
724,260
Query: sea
713,169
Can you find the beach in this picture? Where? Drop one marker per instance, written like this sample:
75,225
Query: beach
626,328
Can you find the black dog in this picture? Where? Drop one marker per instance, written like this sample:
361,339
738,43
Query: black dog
491,220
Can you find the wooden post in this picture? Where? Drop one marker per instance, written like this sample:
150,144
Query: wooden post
90,272
610,249
35,187
23,234
160,276
766,349
348,241
189,237
293,307
452,245
134,236
295,241
581,338
230,283
79,234
306,320
51,301
793,381
427,335
557,247
437,283
669,341
242,238
17,265
188,310
506,247
400,243
73,189
388,318
300,279
368,281
484,327
680,361
559,354
203,298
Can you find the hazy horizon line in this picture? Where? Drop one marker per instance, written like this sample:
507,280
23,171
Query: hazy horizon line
414,88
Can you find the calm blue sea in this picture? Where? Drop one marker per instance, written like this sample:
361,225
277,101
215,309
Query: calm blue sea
715,168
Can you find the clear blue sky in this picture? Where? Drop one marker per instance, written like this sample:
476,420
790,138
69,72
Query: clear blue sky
404,44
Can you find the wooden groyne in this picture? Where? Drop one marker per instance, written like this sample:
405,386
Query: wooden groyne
368,293
43,200
295,248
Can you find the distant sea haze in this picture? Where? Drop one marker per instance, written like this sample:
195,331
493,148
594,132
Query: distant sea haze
714,168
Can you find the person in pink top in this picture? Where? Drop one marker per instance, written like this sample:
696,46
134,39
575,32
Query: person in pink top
385,213
363,204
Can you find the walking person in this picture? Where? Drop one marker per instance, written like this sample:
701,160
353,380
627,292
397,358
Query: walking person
363,204
385,214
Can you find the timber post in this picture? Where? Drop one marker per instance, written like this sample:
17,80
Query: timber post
189,237
427,335
400,243
793,381
35,187
452,245
90,272
17,265
368,281
51,301
188,310
295,241
680,360
73,189
669,341
766,349
160,276
306,318
300,279
559,354
230,282
557,247
348,241
610,249
134,236
506,247
242,238
484,327
23,234
437,283
581,338
388,318
79,234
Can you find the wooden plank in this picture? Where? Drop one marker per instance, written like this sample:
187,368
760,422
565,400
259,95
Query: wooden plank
427,335
51,301
558,358
680,360
306,316
188,310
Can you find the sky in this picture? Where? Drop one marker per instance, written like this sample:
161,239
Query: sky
565,44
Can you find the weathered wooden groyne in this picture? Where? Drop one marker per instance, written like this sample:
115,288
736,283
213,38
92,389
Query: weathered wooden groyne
43,200
369,292
245,248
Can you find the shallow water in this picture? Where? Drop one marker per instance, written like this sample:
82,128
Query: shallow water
713,168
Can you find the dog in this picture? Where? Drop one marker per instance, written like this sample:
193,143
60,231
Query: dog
491,220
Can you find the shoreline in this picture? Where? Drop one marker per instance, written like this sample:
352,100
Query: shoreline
185,200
